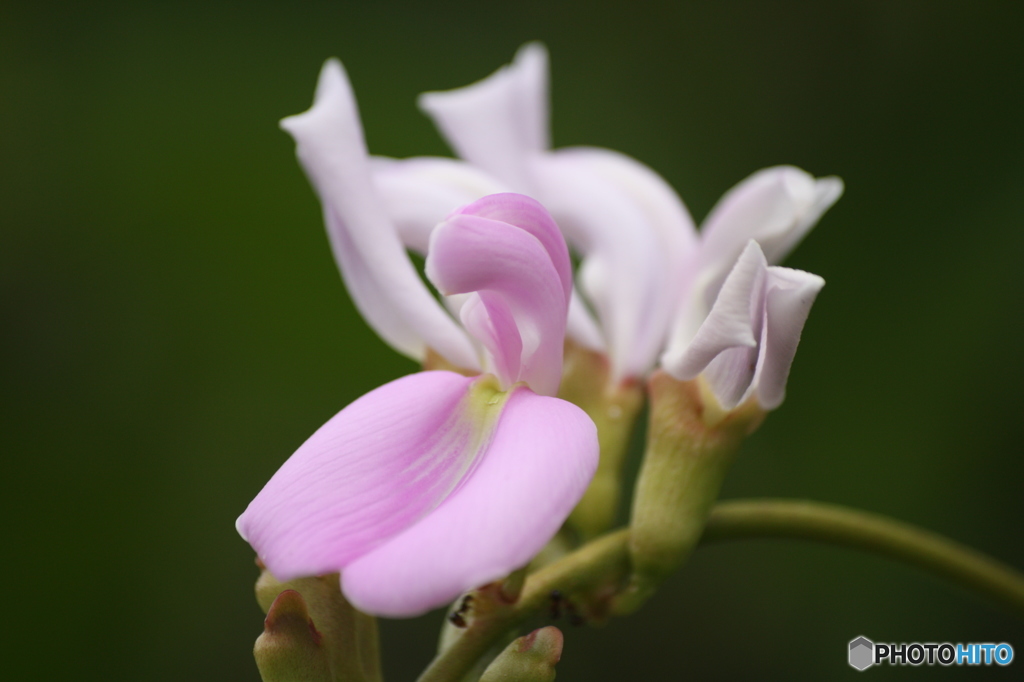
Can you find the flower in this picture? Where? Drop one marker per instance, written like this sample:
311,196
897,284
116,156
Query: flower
745,345
436,483
651,278
740,320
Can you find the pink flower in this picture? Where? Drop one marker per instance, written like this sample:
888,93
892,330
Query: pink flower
436,483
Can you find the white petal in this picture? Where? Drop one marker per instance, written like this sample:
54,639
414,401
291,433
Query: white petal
666,214
383,282
789,295
498,123
826,192
624,272
731,375
420,192
734,322
776,207
581,326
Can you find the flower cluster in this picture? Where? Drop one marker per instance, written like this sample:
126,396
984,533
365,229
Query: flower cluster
442,481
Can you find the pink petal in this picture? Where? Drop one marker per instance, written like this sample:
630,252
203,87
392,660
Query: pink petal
382,281
789,295
420,192
733,323
373,470
517,275
539,462
499,122
625,272
489,318
529,216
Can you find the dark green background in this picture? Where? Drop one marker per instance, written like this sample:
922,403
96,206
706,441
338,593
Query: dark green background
174,326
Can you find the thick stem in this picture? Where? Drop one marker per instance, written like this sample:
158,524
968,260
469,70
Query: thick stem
605,562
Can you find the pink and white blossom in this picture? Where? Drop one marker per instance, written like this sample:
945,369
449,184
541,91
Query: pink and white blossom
437,483
652,280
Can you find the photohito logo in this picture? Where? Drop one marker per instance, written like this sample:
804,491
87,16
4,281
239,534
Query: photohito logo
864,653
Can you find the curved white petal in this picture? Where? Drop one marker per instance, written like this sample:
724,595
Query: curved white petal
789,295
775,206
827,191
733,323
747,342
536,467
666,214
418,193
499,122
384,285
625,272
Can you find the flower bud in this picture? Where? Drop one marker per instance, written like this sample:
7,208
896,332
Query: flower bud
690,443
586,383
528,659
350,637
291,649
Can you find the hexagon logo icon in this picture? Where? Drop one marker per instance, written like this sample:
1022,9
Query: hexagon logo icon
862,653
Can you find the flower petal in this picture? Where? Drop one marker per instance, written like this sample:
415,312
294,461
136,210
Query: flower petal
382,281
537,466
666,214
625,271
489,318
418,193
374,469
734,322
581,326
499,122
775,206
789,295
529,216
516,273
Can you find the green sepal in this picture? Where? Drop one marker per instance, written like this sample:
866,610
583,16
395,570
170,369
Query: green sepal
291,649
586,382
531,658
691,442
350,636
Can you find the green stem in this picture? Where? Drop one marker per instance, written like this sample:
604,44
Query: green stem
832,524
606,561
598,562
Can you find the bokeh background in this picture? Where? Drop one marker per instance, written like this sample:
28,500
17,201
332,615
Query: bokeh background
174,326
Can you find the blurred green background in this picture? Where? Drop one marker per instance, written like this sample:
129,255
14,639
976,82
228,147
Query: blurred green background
174,325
